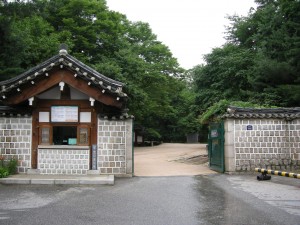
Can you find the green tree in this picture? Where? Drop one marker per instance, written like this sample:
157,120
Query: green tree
260,63
273,33
105,40
152,77
225,76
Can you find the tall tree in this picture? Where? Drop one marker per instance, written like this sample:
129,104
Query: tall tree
106,41
225,76
260,62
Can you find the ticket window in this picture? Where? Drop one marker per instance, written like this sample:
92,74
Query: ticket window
64,133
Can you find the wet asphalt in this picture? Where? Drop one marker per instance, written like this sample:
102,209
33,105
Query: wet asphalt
211,199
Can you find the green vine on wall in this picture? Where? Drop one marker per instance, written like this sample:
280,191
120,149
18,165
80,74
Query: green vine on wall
213,113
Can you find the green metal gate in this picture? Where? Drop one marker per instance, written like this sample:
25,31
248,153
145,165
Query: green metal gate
216,147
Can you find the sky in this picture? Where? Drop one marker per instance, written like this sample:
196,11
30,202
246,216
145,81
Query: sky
190,28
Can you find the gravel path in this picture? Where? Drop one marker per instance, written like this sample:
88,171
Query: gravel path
171,160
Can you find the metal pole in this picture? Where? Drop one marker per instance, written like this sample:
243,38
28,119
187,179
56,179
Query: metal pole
132,147
279,173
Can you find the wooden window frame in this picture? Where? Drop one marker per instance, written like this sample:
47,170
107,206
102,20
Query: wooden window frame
50,134
83,106
88,127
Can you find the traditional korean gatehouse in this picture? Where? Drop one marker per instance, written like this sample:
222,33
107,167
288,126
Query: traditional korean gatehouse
63,117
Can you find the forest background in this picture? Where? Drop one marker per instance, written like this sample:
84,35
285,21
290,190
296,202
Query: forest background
259,66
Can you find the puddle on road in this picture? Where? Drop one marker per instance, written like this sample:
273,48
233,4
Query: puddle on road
35,199
285,197
219,207
220,204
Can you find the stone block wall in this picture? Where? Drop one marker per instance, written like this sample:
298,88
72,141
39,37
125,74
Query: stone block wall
115,147
15,140
265,143
64,161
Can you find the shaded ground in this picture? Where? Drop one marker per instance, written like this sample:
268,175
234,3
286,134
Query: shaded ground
171,160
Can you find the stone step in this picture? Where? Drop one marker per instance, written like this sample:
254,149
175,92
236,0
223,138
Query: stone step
58,179
33,171
93,172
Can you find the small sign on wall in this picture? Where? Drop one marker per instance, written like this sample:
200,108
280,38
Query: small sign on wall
94,157
249,127
139,139
214,133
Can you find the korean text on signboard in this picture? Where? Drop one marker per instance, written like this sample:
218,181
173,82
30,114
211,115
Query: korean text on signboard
64,114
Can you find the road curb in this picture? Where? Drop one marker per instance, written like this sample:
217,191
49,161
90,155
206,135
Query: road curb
34,179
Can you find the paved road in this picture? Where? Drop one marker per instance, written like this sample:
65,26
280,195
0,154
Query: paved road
169,160
154,198
177,200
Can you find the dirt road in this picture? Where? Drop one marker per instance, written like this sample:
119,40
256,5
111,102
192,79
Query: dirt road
171,160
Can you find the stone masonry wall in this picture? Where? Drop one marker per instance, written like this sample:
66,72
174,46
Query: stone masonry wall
15,140
115,146
63,161
266,143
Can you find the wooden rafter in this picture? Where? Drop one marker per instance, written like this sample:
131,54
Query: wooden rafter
66,76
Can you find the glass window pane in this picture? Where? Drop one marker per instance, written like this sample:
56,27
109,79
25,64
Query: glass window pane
64,135
83,135
85,117
44,117
45,135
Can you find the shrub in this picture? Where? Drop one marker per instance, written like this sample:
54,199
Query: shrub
219,108
7,167
2,160
4,172
12,166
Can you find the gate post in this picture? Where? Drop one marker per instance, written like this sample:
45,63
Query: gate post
229,151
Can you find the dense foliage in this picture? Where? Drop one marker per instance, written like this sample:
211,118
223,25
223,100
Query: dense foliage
259,63
31,31
258,66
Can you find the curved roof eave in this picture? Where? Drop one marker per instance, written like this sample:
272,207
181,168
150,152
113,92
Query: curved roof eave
262,113
65,60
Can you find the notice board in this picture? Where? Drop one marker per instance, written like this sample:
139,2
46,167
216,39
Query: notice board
64,114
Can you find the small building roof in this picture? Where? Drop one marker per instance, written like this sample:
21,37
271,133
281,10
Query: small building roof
249,113
62,60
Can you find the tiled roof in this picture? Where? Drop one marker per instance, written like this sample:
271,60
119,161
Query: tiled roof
280,113
63,60
11,111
